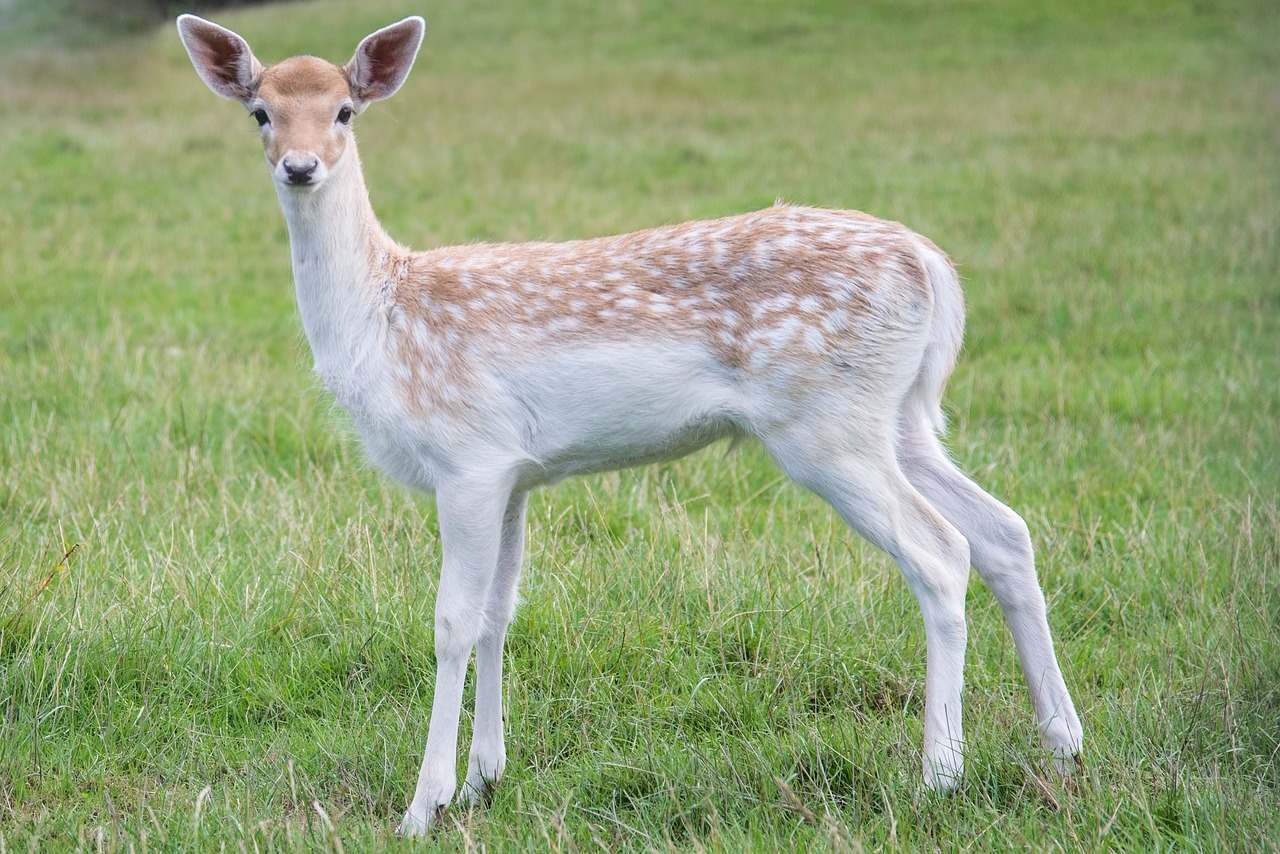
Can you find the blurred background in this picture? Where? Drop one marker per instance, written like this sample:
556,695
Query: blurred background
215,616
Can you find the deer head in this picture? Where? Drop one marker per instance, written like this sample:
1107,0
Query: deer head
303,105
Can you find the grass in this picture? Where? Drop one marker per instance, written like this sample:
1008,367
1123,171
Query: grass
215,617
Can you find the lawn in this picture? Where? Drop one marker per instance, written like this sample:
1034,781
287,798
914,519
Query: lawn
216,617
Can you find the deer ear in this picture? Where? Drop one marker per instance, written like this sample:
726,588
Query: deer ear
383,60
222,59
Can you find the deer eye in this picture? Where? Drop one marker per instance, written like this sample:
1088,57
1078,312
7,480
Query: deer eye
344,115
261,117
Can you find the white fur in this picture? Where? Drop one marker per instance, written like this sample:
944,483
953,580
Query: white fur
480,373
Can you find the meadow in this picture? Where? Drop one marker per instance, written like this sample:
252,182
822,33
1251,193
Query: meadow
216,617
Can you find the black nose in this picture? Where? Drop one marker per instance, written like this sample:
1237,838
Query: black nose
299,171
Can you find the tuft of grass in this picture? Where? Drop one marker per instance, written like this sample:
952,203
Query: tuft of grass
215,618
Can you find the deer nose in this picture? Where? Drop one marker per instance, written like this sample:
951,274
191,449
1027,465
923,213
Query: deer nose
300,168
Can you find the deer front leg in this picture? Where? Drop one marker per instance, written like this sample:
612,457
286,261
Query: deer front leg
471,522
488,747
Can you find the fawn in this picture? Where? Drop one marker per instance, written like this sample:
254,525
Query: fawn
480,372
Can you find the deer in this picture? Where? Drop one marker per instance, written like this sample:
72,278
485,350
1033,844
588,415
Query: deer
481,372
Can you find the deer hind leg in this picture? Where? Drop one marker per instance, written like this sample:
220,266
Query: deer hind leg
861,480
488,747
471,528
1001,552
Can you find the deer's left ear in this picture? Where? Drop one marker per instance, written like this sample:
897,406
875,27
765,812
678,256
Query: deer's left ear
222,58
383,60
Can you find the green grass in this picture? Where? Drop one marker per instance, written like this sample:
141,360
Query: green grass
215,617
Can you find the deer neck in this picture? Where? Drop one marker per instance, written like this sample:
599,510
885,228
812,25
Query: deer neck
335,241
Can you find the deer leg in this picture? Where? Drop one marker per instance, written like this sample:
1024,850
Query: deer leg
1001,552
867,488
488,747
471,524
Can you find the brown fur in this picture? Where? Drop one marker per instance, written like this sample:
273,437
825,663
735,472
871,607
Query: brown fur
301,93
799,280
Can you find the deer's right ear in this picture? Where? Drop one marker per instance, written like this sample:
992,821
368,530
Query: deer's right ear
222,59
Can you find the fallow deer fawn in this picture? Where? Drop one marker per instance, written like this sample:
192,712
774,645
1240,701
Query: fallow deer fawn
481,372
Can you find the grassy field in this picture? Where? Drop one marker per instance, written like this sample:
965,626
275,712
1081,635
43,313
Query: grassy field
215,617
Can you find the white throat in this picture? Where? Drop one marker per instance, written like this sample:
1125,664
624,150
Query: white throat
334,239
